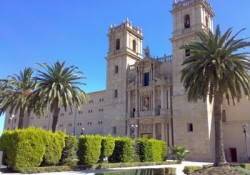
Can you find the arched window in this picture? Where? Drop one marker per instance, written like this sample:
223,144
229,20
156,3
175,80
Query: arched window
187,21
117,45
206,21
134,45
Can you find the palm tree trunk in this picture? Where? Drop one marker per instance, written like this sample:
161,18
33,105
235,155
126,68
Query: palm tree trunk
55,118
220,159
21,116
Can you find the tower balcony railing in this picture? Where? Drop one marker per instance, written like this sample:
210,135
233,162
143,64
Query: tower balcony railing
184,3
165,58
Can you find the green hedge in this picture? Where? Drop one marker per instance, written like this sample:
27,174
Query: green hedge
124,150
54,144
23,148
151,150
190,169
158,171
69,153
89,149
108,145
32,170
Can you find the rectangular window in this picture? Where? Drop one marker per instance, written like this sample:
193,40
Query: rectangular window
114,130
146,79
190,127
224,117
116,69
187,52
116,93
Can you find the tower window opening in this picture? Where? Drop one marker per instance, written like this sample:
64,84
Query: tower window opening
187,21
146,79
114,130
206,21
187,52
190,127
116,69
116,93
134,45
118,44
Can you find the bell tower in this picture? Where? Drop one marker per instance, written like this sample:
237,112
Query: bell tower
192,122
125,48
189,16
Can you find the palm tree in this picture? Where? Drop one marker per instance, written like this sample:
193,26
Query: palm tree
180,153
217,68
15,94
57,87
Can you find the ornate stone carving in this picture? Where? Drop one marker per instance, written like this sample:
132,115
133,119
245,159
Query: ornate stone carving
146,128
145,104
131,76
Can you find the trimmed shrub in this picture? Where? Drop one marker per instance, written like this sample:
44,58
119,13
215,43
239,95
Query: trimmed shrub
160,171
32,170
69,153
23,148
242,171
190,169
124,150
54,144
242,165
89,149
151,150
108,145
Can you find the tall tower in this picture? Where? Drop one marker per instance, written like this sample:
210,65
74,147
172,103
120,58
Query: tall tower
125,48
192,122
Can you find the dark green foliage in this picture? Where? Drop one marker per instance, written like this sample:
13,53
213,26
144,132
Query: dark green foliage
89,149
190,169
151,150
69,153
54,144
124,150
23,148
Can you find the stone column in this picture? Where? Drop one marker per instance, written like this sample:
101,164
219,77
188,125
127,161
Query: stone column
163,131
128,129
154,109
136,103
167,97
162,97
169,100
129,110
170,133
154,130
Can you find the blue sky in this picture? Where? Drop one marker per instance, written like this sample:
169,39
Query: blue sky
76,31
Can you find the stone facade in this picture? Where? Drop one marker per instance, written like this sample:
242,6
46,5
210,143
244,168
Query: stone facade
145,98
